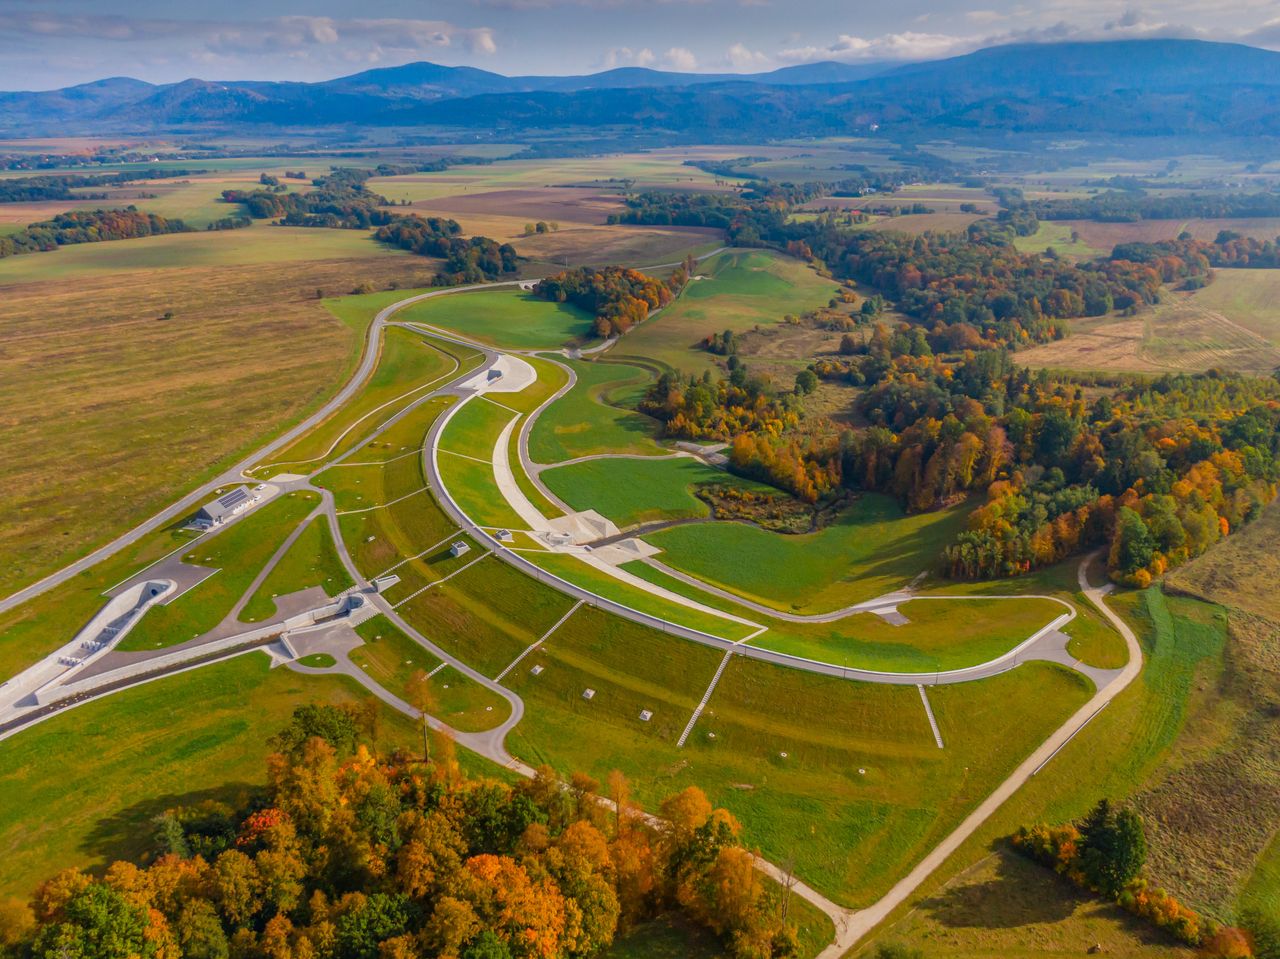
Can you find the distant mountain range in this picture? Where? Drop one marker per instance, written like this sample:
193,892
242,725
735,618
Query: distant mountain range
1153,87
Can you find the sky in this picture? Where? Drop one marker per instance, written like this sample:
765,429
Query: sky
46,44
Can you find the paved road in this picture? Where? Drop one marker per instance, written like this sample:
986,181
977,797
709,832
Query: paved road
863,921
186,504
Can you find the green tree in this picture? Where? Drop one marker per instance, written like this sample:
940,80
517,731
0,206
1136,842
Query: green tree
1113,848
200,933
806,382
1133,545
96,923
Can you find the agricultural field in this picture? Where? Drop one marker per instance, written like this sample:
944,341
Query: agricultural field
244,354
1228,325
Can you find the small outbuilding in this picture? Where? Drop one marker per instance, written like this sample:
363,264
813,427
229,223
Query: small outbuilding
218,511
459,548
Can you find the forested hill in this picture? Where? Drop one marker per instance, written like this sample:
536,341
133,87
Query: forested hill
1137,87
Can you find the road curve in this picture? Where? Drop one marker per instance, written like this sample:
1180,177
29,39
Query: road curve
864,920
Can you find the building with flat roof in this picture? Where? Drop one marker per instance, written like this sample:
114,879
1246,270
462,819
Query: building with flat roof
218,511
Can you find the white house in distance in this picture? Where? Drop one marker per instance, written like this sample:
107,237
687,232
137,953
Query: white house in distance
216,512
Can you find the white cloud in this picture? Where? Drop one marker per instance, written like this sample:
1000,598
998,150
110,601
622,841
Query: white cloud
680,59
277,35
626,57
741,57
909,45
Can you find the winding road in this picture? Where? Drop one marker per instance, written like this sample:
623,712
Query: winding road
851,926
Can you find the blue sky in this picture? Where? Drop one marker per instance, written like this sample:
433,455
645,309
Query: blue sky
50,43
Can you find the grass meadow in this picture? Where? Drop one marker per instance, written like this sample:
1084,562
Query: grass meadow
740,290
871,548
81,788
635,490
312,560
245,353
508,318
589,420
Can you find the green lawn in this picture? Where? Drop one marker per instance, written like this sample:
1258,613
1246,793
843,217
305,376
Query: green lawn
507,318
940,635
409,362
238,553
572,569
312,560
673,937
473,486
360,486
318,661
81,788
474,430
633,490
391,658
872,548
744,289
851,833
486,615
586,420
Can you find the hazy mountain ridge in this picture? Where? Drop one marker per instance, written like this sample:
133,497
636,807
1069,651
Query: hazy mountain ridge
1141,86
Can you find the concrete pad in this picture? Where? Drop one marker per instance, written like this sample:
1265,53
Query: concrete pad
615,554
891,615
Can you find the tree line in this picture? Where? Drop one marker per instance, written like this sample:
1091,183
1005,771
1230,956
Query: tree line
467,259
87,226
61,186
1130,206
350,855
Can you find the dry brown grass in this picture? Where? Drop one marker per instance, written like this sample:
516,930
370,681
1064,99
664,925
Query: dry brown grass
562,204
1104,236
110,412
1241,571
1178,335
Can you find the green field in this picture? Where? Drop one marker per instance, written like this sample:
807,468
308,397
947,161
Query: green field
358,486
487,614
1246,297
474,430
585,420
872,548
743,289
197,735
312,560
1058,237
574,570
638,490
849,833
238,553
391,659
410,365
474,488
506,318
940,635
